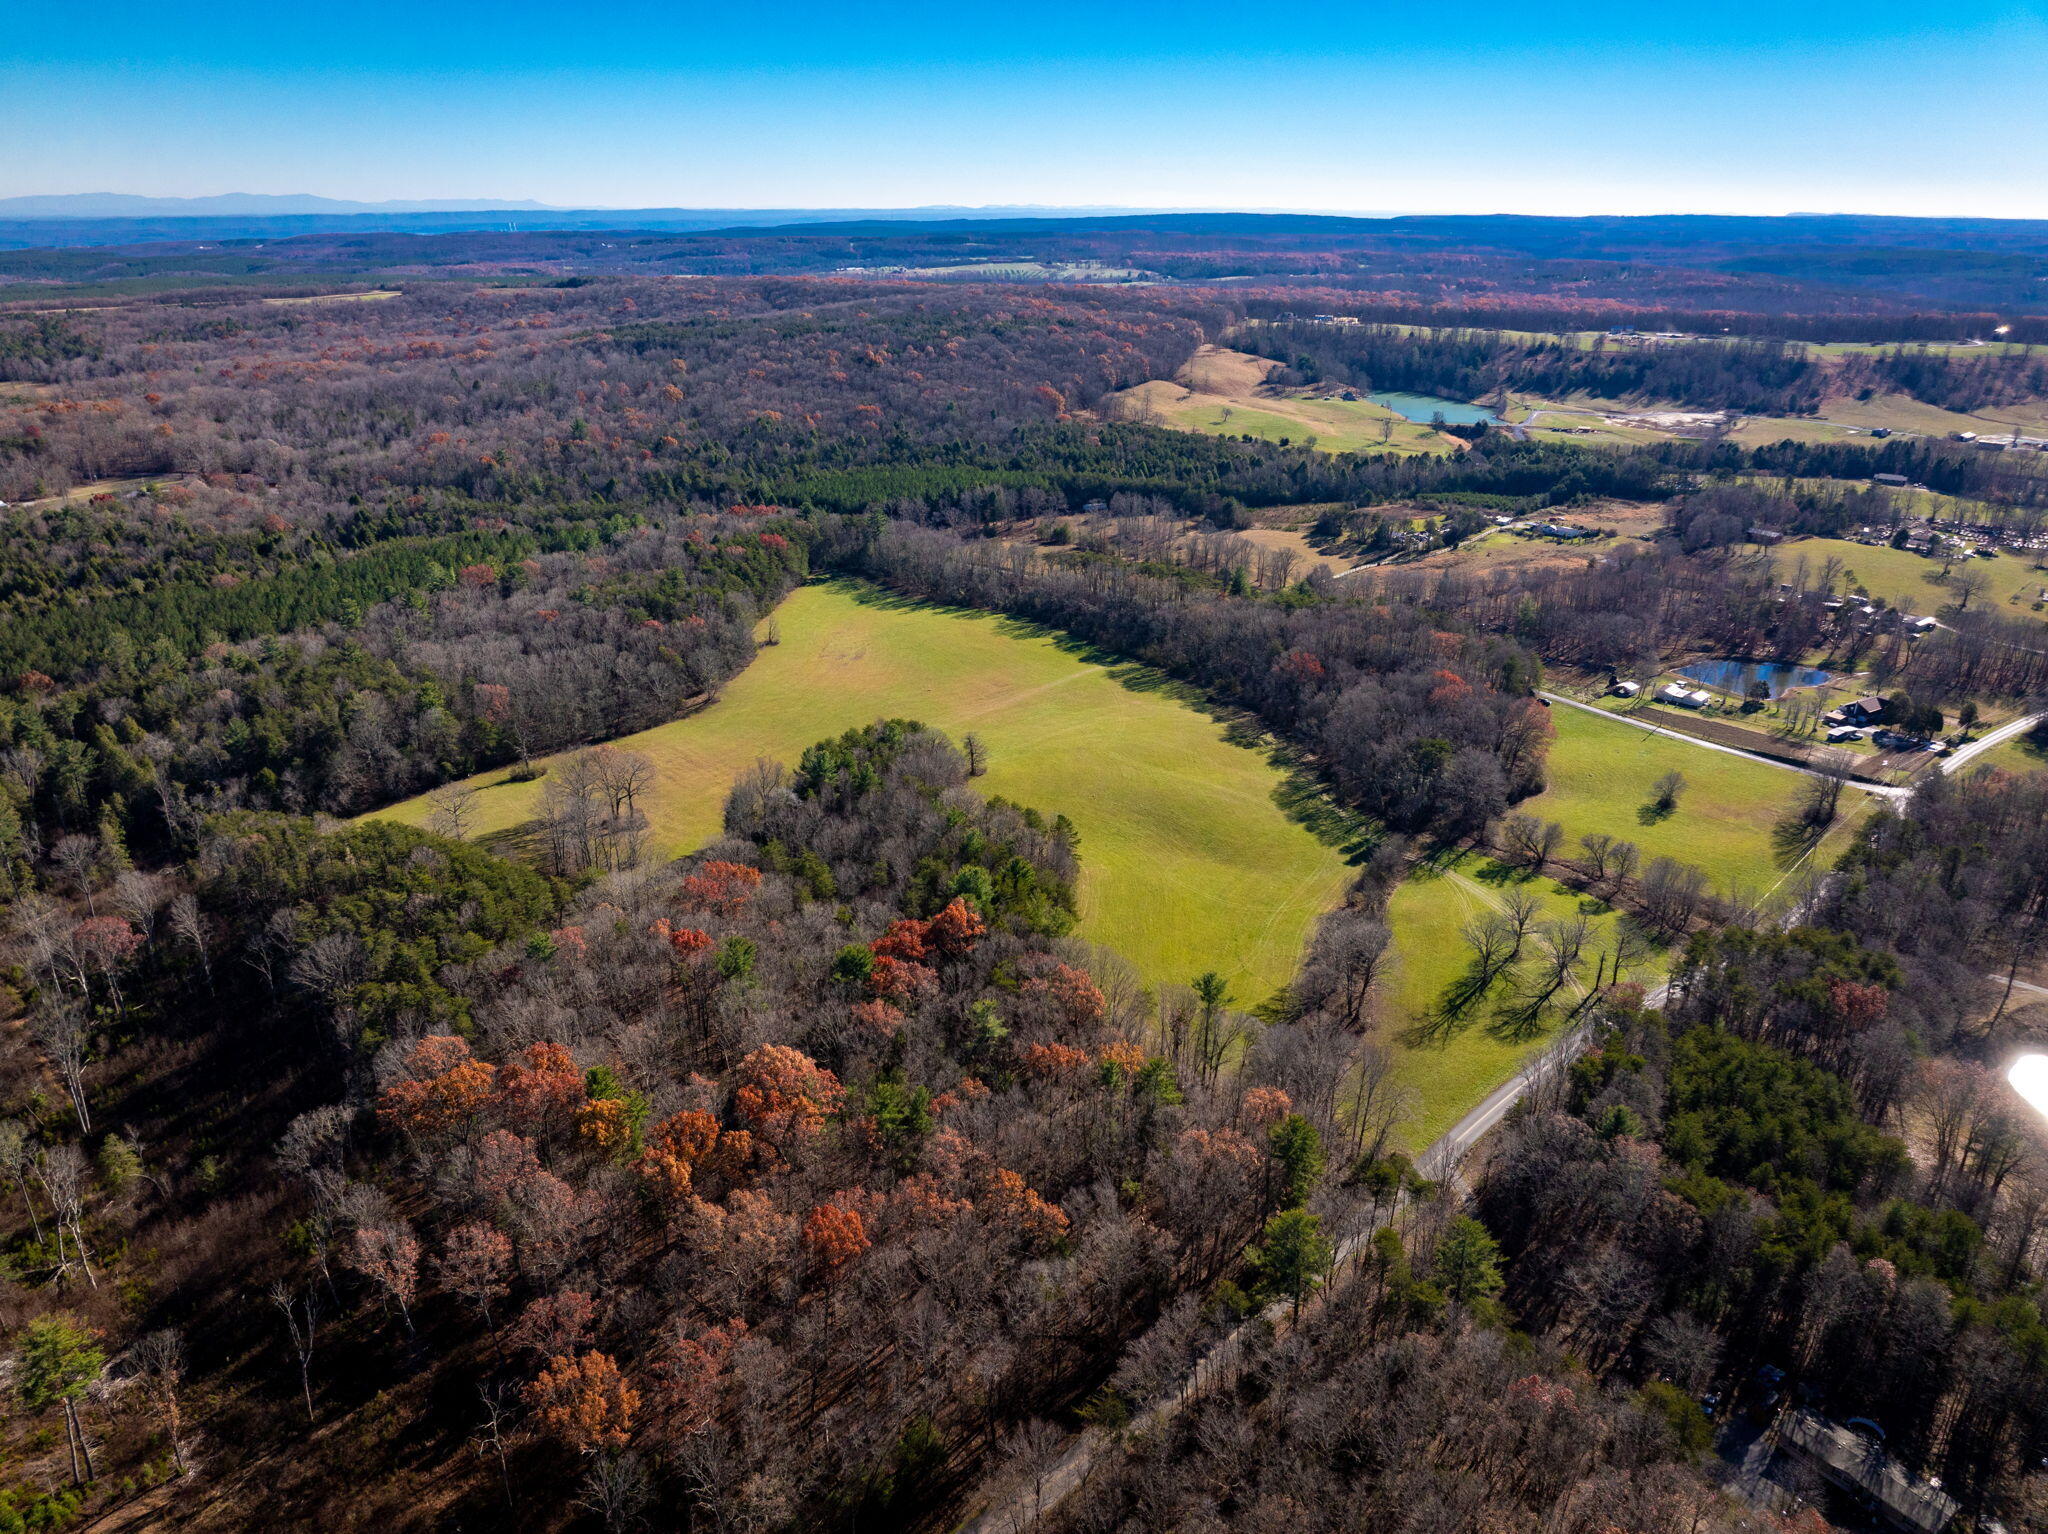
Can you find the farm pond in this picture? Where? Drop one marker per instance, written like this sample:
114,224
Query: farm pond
1735,676
1427,407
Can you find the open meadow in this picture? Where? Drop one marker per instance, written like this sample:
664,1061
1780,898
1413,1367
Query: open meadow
1913,582
1600,775
1223,393
1188,860
1901,412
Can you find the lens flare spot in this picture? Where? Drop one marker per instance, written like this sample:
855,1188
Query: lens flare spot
2029,1078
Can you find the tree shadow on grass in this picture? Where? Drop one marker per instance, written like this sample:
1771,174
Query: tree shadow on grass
1441,858
1795,837
1654,814
1450,1014
525,842
1498,874
1518,1023
1305,801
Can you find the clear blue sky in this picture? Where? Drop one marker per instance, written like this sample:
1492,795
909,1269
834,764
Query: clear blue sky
1566,106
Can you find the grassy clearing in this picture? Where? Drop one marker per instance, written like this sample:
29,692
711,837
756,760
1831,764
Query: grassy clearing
1762,430
1587,420
91,488
1913,581
1334,426
1427,913
1599,775
2020,754
1189,861
1223,393
1946,348
1901,412
1499,549
1296,542
1591,430
1632,525
333,298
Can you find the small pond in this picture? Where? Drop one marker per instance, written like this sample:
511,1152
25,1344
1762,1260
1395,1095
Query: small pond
1734,676
1427,407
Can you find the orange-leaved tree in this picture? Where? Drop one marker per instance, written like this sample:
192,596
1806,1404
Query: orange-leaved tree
782,1094
954,931
443,1089
834,1234
585,1402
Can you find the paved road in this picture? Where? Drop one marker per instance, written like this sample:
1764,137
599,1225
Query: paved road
1882,790
1442,1157
1949,763
1997,737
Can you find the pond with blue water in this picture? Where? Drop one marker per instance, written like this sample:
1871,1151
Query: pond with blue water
1427,407
1734,676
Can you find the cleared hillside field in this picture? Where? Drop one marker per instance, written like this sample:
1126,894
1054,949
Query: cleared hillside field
1188,861
1901,412
1599,775
1912,581
1762,430
1223,393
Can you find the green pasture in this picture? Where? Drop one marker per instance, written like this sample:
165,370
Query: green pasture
1600,776
1190,859
1913,582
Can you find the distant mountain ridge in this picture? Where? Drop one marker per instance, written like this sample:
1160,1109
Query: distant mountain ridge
99,205
109,218
233,204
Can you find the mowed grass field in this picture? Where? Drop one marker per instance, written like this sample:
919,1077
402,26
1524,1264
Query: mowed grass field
1913,581
1222,393
1188,861
1600,775
1901,412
